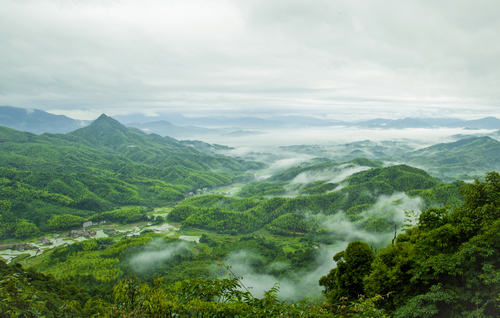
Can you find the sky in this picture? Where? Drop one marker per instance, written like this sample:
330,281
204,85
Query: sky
347,60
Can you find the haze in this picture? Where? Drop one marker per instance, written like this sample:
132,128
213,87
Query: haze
329,59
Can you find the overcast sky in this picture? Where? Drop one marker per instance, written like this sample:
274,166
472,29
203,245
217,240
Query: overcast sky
333,59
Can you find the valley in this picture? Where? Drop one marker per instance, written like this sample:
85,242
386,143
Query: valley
271,214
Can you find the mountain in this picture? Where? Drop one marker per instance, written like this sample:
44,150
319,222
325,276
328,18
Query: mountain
440,122
464,159
165,128
142,121
219,121
307,121
205,147
243,133
103,166
37,121
107,145
107,134
394,123
483,123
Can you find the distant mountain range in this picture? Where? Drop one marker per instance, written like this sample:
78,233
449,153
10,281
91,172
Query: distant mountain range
38,121
179,126
165,128
464,159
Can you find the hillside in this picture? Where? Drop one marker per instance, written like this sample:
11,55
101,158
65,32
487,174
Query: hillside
101,167
464,159
107,134
359,193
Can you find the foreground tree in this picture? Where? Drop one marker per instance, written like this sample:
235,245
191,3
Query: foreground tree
448,264
346,280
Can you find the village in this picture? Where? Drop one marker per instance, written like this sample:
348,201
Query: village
89,230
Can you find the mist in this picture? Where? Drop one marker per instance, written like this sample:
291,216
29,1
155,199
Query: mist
302,284
340,135
336,175
155,254
343,231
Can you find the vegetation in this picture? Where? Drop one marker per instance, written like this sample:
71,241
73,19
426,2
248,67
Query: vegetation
443,263
100,168
445,266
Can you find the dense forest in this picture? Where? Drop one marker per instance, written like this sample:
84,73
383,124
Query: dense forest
324,238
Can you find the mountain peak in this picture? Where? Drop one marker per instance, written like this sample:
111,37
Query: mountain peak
106,122
103,116
105,131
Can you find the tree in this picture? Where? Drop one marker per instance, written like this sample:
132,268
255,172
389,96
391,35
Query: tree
447,265
346,280
25,229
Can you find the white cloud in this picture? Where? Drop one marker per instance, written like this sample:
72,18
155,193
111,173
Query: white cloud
340,58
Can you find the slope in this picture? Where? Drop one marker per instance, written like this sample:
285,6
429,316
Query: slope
109,135
464,159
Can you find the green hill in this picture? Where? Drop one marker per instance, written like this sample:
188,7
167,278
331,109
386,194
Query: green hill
109,135
101,167
464,159
285,216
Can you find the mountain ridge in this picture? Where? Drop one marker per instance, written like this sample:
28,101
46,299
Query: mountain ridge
37,121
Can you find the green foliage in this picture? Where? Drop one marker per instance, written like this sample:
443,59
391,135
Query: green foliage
65,221
18,297
251,214
329,165
222,221
123,215
26,293
318,187
290,224
438,196
26,229
159,219
181,212
210,298
445,266
262,189
100,167
346,280
464,159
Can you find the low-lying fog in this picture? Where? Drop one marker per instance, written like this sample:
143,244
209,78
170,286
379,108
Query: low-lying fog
282,149
339,135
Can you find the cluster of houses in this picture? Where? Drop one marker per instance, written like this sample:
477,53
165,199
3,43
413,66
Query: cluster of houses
44,241
90,223
190,194
86,232
19,247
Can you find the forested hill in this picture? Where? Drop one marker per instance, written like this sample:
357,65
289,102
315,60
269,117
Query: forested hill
464,159
106,141
101,167
107,134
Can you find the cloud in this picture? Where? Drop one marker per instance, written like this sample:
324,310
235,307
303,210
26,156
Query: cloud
335,175
155,254
342,59
329,137
301,285
305,283
391,208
